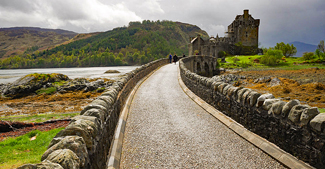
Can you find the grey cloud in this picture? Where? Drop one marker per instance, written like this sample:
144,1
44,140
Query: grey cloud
17,5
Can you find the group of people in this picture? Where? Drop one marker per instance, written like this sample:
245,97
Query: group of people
174,58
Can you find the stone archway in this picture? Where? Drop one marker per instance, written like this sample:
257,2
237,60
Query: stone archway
198,68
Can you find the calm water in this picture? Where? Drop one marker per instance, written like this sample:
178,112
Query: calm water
10,75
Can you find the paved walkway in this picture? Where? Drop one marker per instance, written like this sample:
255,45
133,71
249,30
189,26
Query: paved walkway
166,129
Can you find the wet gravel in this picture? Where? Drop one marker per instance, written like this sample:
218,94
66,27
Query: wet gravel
166,129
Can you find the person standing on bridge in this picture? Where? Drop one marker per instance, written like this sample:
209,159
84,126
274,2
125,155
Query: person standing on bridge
170,58
175,58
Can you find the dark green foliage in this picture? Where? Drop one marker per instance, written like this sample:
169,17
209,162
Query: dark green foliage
138,43
320,51
272,57
308,55
221,54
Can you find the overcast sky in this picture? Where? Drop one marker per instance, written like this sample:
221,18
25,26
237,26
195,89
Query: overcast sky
281,20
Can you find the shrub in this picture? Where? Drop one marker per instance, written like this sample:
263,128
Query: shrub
308,55
272,57
235,59
245,64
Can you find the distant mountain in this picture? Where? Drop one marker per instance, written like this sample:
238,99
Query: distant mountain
19,40
135,44
303,47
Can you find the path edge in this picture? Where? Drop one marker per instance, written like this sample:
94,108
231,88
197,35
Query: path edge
114,156
269,148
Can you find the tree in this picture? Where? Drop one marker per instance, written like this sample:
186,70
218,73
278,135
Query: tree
320,54
287,49
321,46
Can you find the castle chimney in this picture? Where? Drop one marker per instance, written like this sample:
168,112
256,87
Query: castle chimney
246,14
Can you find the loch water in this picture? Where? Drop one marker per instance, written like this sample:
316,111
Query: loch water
10,75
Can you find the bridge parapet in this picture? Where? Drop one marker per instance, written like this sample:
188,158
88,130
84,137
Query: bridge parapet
86,141
297,129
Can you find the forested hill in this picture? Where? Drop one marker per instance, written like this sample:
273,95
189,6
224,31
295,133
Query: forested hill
138,43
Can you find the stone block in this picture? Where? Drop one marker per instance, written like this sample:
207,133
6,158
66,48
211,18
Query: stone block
98,107
73,143
267,104
221,87
225,89
66,158
209,83
307,115
83,128
98,113
245,96
93,119
318,123
108,99
253,96
91,127
295,113
111,92
231,90
116,86
277,107
240,94
215,85
43,165
100,102
235,93
288,106
261,99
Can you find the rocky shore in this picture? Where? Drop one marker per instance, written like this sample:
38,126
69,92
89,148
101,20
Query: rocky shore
306,85
49,93
32,83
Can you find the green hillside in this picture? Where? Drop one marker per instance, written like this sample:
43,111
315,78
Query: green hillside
19,40
139,43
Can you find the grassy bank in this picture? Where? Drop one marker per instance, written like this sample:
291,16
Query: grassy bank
250,63
38,117
15,152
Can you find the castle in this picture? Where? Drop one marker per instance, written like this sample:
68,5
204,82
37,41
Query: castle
241,38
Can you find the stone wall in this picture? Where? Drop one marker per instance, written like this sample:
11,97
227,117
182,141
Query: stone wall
297,129
86,141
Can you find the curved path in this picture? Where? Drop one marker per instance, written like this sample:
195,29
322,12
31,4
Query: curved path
166,129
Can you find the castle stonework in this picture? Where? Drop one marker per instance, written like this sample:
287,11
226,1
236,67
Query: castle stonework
241,38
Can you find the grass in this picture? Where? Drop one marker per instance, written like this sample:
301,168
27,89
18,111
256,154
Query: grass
38,117
49,90
60,83
321,110
291,63
15,152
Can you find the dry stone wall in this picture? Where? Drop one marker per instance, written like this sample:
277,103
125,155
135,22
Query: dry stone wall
86,141
298,129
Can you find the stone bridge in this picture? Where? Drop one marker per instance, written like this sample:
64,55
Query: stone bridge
166,116
203,65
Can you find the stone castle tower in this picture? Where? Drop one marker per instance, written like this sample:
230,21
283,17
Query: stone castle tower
241,38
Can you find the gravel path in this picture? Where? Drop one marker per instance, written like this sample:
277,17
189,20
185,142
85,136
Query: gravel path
166,129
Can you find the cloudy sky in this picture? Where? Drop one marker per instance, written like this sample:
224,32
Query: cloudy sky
281,20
